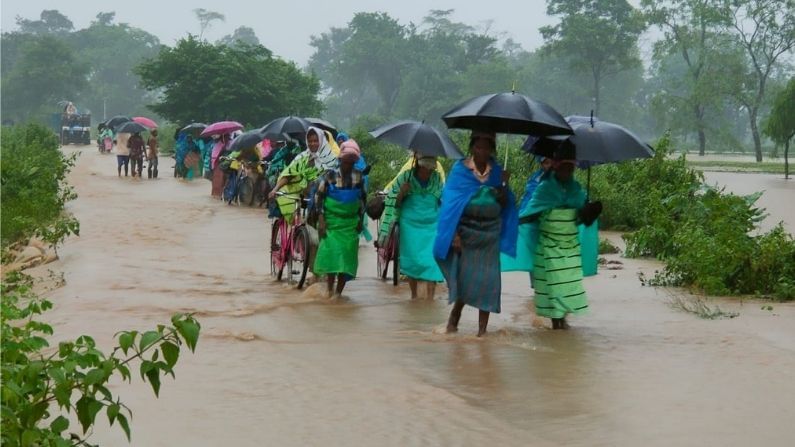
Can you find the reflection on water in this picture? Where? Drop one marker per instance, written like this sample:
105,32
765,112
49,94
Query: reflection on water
276,366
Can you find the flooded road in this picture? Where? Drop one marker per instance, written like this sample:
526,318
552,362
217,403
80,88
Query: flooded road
778,198
276,366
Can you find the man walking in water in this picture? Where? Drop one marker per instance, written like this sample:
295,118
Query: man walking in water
136,145
151,155
122,152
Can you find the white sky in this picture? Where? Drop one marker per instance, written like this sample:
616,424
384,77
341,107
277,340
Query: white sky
285,26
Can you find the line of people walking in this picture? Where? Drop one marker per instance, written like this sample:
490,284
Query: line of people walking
465,230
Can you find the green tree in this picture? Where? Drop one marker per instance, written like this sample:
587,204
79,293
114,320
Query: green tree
112,51
46,71
242,34
780,124
765,30
51,21
598,36
199,81
691,29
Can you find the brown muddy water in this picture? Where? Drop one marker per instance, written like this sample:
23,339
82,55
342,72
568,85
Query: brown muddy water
280,367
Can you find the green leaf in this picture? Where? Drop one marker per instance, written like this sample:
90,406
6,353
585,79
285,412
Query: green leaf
59,424
154,378
29,438
57,375
146,365
124,425
83,415
170,353
94,376
125,341
189,330
113,412
63,394
147,339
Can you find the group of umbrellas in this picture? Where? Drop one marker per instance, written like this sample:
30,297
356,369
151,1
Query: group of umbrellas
125,124
595,141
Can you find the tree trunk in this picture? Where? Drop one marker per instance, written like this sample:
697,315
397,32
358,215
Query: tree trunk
786,160
702,137
755,132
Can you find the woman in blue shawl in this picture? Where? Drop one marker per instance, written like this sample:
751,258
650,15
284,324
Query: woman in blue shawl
477,221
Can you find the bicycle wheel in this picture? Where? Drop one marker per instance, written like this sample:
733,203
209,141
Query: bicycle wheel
395,255
245,191
277,243
300,256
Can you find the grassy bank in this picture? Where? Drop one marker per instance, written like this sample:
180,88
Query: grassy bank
739,166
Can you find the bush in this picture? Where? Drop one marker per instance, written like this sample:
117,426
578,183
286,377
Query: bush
703,234
34,190
40,391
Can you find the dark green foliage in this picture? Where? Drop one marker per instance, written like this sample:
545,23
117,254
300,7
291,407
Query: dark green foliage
34,187
705,236
205,82
41,391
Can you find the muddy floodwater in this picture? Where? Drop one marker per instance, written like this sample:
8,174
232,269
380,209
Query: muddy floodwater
282,367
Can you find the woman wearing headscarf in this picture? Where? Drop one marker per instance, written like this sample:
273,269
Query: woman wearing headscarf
414,202
219,174
477,221
360,165
559,205
340,201
305,168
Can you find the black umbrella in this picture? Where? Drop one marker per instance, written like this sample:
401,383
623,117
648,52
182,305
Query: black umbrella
418,137
507,113
323,124
291,125
596,142
117,120
131,127
246,140
194,128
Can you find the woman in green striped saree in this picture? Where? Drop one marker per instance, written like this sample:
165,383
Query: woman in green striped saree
559,203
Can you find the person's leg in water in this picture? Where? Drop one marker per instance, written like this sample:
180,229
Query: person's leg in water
140,167
330,284
430,290
413,287
118,164
341,280
149,166
155,163
560,323
455,317
132,166
126,165
483,322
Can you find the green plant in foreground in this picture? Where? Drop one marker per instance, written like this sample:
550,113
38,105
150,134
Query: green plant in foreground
41,389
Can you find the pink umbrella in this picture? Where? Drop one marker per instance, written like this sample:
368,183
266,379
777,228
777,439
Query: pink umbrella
221,127
145,122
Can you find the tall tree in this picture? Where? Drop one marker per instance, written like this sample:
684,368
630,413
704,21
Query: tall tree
112,51
45,72
242,34
199,81
691,29
51,21
765,29
206,18
780,124
599,36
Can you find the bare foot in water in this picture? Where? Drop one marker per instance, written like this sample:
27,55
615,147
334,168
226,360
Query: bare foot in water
451,329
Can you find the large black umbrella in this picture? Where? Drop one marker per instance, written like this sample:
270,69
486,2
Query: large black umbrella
507,113
418,137
131,127
246,140
323,124
291,125
117,120
596,142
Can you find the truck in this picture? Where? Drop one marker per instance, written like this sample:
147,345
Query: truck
70,126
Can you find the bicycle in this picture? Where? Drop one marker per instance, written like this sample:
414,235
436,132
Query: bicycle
290,244
389,252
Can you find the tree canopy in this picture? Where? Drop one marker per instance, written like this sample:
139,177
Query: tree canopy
199,81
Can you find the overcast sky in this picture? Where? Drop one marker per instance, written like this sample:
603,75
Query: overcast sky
285,26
